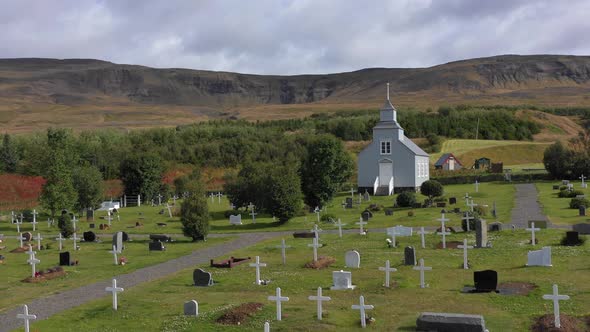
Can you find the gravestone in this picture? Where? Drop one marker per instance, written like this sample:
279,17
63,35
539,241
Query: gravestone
441,204
539,257
538,223
235,220
160,237
485,281
27,236
348,203
191,308
447,322
342,280
495,226
202,278
582,228
89,236
89,215
156,246
481,234
582,211
366,196
64,258
365,216
452,200
118,241
565,182
352,259
92,226
402,230
409,256
389,212
572,238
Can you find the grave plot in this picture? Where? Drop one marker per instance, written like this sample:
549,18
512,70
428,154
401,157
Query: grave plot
391,308
558,208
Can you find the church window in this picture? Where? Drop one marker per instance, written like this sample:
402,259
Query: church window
385,147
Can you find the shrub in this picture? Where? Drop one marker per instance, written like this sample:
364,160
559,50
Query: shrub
475,216
328,217
410,213
431,188
480,210
64,223
562,188
566,194
195,217
575,203
406,199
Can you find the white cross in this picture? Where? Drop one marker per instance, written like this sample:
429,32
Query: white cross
422,232
21,238
464,246
60,239
444,233
49,222
422,268
532,229
315,246
109,218
257,265
442,219
387,270
555,297
471,205
251,207
352,191
169,210
476,186
362,307
213,198
392,232
33,261
75,238
26,317
316,231
18,223
114,290
467,197
361,223
467,217
219,195
74,222
115,252
317,212
30,252
340,224
38,238
266,327
278,299
283,246
583,177
12,217
160,199
319,298
34,222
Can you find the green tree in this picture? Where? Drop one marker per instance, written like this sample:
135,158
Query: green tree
64,223
89,185
9,155
194,214
557,160
142,174
431,188
324,169
406,199
284,191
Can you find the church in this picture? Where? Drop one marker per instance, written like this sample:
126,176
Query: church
392,162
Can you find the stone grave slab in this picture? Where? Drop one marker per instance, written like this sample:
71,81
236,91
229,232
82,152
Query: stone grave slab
409,256
447,322
235,220
539,257
352,259
191,308
342,280
156,246
202,278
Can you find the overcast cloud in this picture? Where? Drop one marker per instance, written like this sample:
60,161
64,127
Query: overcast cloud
291,36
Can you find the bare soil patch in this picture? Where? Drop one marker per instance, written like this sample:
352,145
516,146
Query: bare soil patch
517,288
239,314
322,262
546,323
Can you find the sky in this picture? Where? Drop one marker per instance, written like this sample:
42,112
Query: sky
291,36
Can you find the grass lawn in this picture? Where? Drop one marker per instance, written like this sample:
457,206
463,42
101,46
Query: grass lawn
96,264
510,152
558,209
157,306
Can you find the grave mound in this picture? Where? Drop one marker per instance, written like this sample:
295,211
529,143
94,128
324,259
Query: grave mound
322,262
24,248
450,245
239,314
546,323
48,274
516,288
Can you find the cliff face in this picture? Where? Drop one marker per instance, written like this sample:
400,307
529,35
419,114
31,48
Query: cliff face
80,81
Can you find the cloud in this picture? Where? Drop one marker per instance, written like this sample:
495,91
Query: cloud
291,36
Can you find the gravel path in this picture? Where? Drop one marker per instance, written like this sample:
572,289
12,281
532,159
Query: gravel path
527,206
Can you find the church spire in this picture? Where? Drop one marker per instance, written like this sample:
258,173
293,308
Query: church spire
388,112
387,90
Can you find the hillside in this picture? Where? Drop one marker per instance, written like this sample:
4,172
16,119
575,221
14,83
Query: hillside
85,93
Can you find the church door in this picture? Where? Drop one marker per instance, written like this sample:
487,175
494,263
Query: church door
385,172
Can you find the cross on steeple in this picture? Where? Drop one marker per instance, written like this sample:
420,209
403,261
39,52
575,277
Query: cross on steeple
387,90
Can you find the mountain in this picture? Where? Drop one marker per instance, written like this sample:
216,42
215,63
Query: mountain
86,93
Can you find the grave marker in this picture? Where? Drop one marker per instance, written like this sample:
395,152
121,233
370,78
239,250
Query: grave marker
202,278
467,218
361,223
252,213
278,299
283,247
422,232
409,256
34,222
387,270
464,246
539,257
75,238
33,261
26,317
481,233
340,224
422,268
532,229
319,299
191,308
362,307
115,252
114,290
257,265
235,220
555,297
342,280
584,185
352,259
315,245
38,238
60,239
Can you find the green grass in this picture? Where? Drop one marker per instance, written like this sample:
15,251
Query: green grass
558,209
96,264
157,306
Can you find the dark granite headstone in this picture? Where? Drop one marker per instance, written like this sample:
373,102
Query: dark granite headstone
64,258
582,228
582,210
27,236
202,278
447,322
365,216
89,236
92,226
388,212
481,234
495,226
156,246
369,212
457,210
441,204
125,237
485,281
89,215
349,202
409,256
452,200
572,238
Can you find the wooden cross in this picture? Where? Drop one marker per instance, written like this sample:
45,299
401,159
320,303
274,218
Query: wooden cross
476,186
30,252
362,307
387,270
114,290
422,268
18,223
26,317
251,207
319,299
257,265
443,231
75,238
60,239
392,231
464,246
33,261
316,231
467,197
583,184
278,300
317,212
555,297
21,238
467,217
74,222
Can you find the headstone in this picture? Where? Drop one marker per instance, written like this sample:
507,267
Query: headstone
388,212
156,246
91,226
235,220
366,196
202,278
89,215
409,256
582,211
572,238
495,226
348,203
485,281
64,258
452,200
539,257
342,280
565,182
160,237
27,236
352,259
403,230
118,241
441,204
582,228
191,308
365,216
89,236
481,234
434,321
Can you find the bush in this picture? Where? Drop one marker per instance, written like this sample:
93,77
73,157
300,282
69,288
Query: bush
575,203
570,194
64,223
406,199
562,188
195,217
431,188
328,217
410,213
480,210
475,216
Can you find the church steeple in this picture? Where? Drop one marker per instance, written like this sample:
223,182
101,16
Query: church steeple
388,112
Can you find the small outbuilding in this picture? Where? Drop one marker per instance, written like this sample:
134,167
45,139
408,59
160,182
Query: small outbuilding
482,163
448,162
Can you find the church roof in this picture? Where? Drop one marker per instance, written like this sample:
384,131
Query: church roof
413,147
387,106
387,125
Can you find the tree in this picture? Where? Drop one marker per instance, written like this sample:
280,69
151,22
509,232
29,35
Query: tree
431,188
142,174
406,199
64,223
9,155
89,185
194,214
324,169
557,160
284,193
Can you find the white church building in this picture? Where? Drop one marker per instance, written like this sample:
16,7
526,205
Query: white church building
392,162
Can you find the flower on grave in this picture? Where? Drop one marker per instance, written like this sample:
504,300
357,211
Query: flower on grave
37,274
122,260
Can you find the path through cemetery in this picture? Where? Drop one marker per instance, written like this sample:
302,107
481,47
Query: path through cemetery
526,206
53,304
